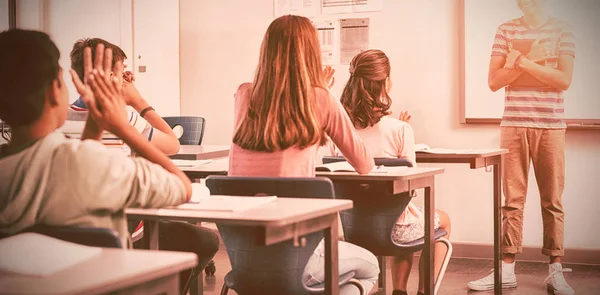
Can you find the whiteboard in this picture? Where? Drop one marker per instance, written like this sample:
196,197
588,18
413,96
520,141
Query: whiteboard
482,18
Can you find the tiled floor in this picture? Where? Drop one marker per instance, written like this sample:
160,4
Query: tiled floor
585,279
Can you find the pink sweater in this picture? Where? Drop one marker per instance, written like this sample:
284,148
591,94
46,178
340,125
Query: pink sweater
295,162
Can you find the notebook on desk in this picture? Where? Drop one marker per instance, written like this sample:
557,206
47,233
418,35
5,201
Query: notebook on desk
38,255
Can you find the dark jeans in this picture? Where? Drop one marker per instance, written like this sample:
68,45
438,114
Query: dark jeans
186,237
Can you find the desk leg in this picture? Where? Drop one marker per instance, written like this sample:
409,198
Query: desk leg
331,258
150,240
497,229
429,241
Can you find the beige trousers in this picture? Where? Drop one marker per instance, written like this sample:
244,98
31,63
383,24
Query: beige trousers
545,148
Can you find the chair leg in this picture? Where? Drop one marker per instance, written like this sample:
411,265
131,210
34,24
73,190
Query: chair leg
445,263
224,289
381,280
360,286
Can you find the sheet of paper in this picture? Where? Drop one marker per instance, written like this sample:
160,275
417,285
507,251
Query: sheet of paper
354,38
200,192
367,5
446,151
228,203
38,255
421,147
336,6
350,6
326,31
189,163
307,8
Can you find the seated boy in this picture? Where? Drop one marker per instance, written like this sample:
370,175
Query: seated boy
46,178
140,114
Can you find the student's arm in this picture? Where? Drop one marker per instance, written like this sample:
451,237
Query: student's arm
107,107
558,78
91,130
162,135
340,129
106,180
561,76
500,76
406,142
112,116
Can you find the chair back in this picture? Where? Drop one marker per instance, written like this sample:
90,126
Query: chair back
193,128
95,237
369,223
274,269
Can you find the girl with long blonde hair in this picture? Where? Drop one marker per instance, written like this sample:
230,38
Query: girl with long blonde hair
284,116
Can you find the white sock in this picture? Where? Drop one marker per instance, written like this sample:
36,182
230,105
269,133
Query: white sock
508,267
554,266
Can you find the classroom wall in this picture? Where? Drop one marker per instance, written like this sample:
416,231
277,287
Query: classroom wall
421,39
147,30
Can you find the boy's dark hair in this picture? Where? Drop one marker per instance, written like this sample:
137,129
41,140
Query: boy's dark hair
81,44
28,65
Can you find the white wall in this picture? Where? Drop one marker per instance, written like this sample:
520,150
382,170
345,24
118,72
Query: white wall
149,29
3,15
421,38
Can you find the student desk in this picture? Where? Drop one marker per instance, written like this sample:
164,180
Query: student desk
201,152
282,220
401,181
480,158
113,271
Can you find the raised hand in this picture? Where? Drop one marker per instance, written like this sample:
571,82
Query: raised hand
404,116
101,92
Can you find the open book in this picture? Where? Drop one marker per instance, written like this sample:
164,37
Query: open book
38,255
346,167
189,163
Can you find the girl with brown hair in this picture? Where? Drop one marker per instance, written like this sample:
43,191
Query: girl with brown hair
283,117
367,101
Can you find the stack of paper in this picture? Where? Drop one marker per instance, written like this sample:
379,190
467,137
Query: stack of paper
228,203
38,255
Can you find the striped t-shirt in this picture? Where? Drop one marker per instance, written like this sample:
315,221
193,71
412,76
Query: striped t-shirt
528,101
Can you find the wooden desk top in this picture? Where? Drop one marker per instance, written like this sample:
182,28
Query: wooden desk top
477,158
112,270
475,153
201,152
282,212
398,175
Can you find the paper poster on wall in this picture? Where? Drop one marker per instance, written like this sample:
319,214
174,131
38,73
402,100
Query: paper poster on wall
326,31
350,6
307,8
354,38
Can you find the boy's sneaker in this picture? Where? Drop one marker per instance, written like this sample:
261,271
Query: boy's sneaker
509,279
557,284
